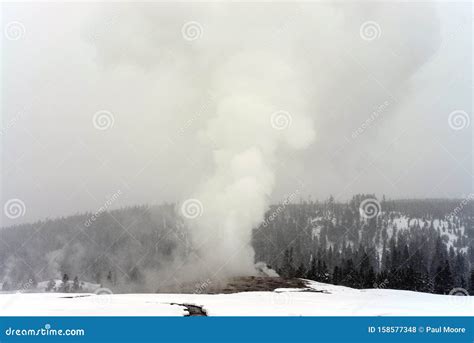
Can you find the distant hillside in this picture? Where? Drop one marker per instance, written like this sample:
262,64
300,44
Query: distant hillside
424,245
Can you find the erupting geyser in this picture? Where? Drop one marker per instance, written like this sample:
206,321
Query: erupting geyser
259,107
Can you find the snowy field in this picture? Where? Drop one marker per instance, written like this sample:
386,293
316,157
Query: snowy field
318,300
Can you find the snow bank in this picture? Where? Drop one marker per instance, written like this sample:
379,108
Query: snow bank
318,300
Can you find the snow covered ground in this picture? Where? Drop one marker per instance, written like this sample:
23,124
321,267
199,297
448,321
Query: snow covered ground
319,300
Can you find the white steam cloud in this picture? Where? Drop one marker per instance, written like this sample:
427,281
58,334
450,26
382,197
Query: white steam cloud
250,87
270,70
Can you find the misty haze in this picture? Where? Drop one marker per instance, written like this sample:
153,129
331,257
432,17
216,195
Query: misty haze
207,149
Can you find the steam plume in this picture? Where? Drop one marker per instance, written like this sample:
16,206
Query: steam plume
273,79
251,88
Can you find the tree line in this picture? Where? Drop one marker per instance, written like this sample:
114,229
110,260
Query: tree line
411,245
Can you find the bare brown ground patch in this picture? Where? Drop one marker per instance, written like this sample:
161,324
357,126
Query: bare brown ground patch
238,284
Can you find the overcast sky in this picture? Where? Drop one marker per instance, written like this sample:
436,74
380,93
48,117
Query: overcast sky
99,99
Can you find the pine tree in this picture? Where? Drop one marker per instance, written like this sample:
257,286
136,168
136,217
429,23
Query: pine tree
443,279
350,276
65,284
75,286
50,286
440,255
301,271
6,286
471,288
336,276
288,269
312,273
